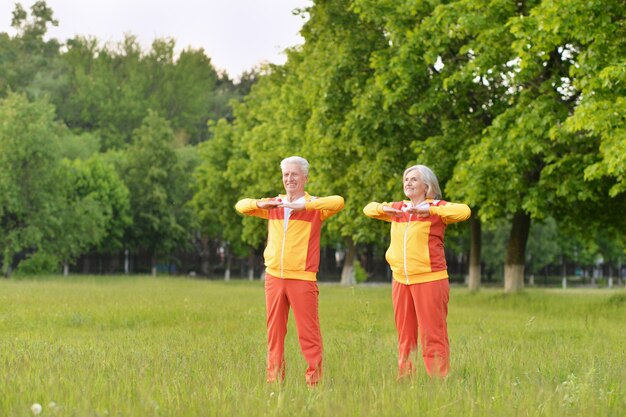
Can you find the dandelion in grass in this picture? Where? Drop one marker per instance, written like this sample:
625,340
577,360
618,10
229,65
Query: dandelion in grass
36,408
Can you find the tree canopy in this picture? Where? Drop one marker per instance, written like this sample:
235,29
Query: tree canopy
517,106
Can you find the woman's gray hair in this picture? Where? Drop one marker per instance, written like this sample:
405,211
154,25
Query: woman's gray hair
429,178
297,160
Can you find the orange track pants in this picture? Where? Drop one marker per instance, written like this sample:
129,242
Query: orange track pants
424,307
302,296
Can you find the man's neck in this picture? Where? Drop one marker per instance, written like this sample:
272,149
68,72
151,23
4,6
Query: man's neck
293,197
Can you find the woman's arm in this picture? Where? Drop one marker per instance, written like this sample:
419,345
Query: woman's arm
381,211
451,212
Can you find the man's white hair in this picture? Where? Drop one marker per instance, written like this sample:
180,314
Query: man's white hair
304,164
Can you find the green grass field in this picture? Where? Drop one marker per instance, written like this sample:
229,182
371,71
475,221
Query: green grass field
119,346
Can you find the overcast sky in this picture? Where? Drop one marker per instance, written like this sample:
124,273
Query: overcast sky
235,34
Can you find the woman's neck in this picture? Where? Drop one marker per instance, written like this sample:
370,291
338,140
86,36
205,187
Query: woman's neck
417,201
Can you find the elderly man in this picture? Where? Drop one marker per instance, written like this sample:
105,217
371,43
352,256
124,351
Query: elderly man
292,259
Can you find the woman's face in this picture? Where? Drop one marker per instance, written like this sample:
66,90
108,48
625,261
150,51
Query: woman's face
414,188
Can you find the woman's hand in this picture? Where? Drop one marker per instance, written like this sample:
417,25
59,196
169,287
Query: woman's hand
392,211
293,206
421,210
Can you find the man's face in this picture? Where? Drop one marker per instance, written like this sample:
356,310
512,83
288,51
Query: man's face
294,179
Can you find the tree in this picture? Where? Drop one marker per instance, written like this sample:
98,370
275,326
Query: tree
215,197
437,76
111,89
96,180
49,206
526,165
31,178
157,184
182,89
80,224
590,35
26,59
321,95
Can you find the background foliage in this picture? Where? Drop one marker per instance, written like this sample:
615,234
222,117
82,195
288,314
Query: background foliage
111,152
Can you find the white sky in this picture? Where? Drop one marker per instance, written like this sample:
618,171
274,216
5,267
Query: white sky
236,34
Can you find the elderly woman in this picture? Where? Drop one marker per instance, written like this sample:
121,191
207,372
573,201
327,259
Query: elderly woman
420,288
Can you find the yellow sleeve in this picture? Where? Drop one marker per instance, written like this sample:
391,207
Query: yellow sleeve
375,211
248,207
451,212
328,206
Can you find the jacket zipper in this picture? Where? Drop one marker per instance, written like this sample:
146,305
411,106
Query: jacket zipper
406,232
282,250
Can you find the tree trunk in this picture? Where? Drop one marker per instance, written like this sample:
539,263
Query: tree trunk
563,273
347,273
114,263
154,265
126,262
66,269
515,253
205,256
86,264
475,249
227,266
251,265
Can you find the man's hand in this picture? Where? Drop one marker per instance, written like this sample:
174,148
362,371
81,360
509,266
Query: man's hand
269,204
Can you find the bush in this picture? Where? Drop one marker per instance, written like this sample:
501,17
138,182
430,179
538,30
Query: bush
359,273
38,263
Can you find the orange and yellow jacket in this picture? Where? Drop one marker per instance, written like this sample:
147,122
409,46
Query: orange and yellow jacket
294,251
416,253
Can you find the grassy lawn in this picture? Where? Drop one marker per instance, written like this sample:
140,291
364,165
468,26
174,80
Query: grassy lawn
139,346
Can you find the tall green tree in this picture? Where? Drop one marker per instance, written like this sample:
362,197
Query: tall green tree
215,198
162,221
526,166
591,35
111,89
31,177
95,179
50,206
351,138
26,60
301,108
80,224
439,85
105,89
181,89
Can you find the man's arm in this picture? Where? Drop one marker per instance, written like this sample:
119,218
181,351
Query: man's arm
328,206
257,208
